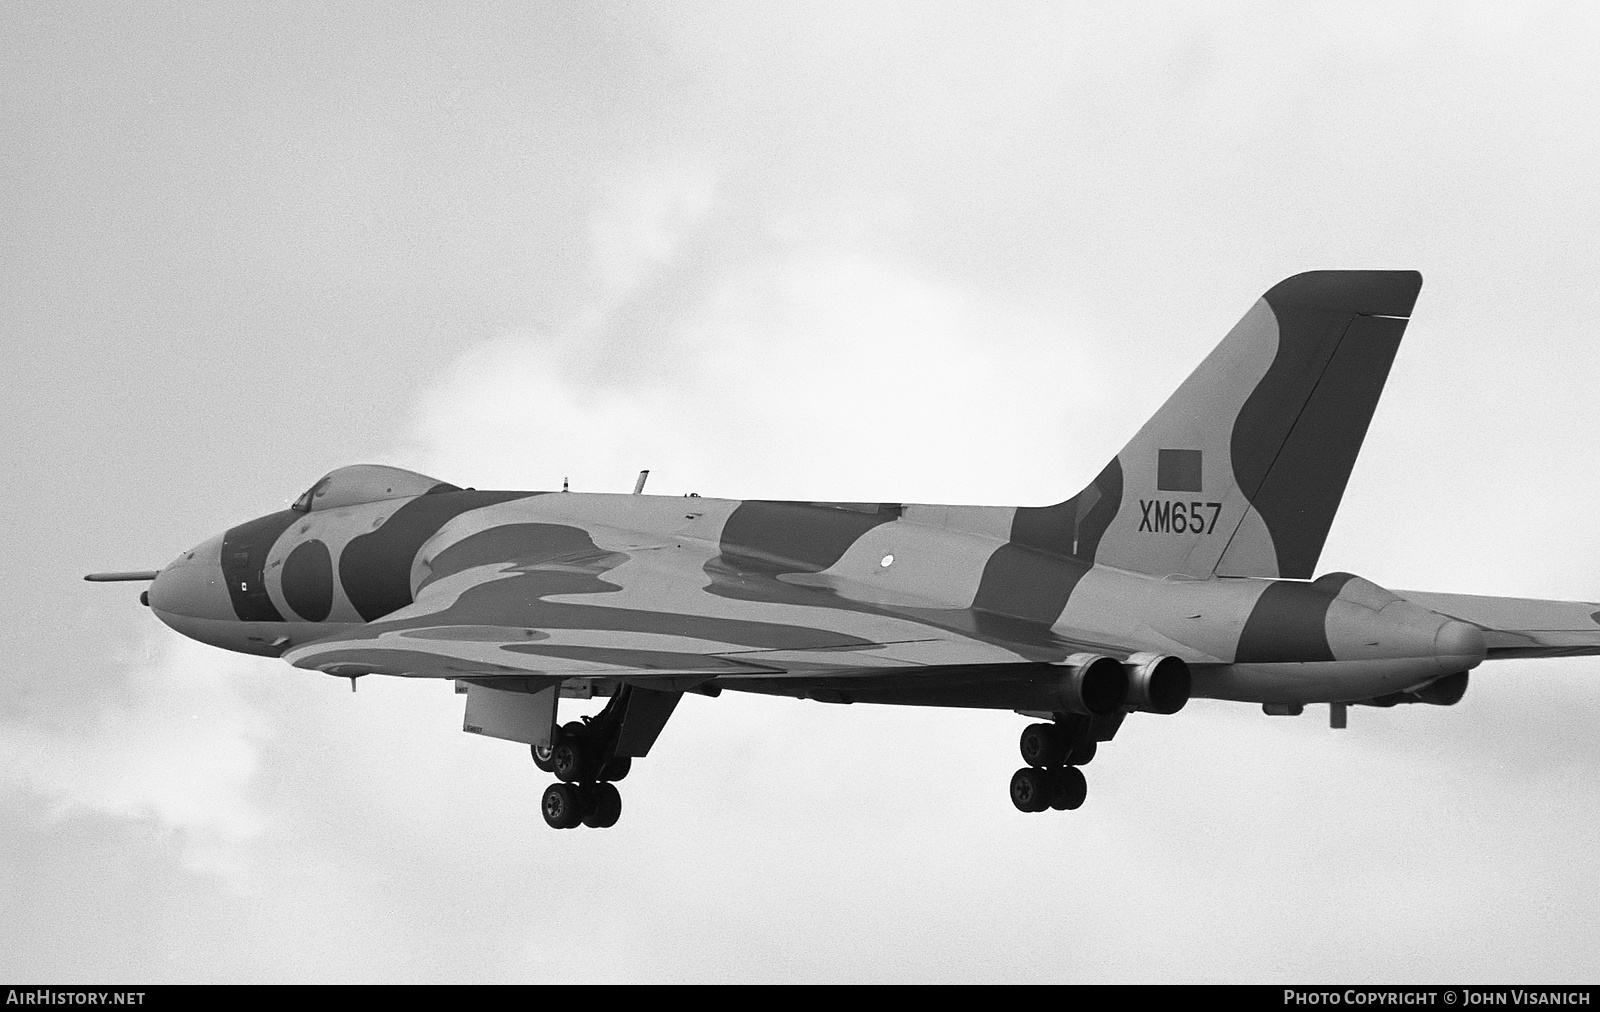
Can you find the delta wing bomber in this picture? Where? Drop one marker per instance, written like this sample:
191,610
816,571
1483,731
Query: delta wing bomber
1184,569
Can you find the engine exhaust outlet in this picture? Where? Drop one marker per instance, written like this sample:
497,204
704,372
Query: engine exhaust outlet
1093,684
1157,683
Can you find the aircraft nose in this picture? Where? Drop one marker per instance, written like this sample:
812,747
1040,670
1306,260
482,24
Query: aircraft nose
192,585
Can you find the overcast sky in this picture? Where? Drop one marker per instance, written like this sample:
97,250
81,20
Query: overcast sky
952,253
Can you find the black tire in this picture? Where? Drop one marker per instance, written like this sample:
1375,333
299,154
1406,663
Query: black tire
585,799
1068,788
561,806
1031,789
602,806
576,730
615,768
570,761
1083,754
543,762
1043,745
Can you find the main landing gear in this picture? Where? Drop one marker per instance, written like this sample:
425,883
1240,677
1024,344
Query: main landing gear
584,760
1052,778
591,755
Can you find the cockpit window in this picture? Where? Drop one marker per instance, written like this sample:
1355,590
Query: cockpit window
303,504
363,483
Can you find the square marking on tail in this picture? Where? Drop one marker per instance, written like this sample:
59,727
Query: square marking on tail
1178,470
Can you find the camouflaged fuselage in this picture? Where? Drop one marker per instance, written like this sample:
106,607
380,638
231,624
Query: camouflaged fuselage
818,597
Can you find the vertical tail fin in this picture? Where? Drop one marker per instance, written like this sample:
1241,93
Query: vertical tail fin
1241,471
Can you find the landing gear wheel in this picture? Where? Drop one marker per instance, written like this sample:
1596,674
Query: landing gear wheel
615,768
561,806
570,760
1068,788
602,806
1083,754
1043,745
541,757
1031,789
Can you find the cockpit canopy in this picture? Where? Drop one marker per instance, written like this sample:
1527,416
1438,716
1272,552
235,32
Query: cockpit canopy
363,483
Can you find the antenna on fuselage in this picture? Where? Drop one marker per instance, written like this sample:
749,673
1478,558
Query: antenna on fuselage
638,486
563,484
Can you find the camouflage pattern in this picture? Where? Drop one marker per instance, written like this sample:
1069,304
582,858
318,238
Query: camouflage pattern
1197,542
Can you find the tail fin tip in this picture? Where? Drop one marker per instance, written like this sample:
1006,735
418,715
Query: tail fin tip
1364,293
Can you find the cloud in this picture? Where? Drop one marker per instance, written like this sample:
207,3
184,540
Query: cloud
173,745
805,369
644,215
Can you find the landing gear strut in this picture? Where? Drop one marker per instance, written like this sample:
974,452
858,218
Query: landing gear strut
590,755
1052,778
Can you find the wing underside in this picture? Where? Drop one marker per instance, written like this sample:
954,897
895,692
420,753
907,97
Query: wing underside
503,621
565,618
905,673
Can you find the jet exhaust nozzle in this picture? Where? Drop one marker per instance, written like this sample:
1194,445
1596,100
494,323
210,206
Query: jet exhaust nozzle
1094,685
1157,683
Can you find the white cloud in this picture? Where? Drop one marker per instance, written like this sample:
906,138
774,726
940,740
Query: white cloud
643,217
805,371
173,745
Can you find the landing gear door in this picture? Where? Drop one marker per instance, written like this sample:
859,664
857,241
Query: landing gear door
525,716
646,714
